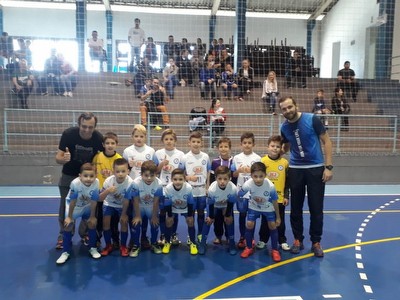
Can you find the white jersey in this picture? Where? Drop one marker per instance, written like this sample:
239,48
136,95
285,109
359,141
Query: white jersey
179,200
83,194
123,193
240,160
136,37
220,197
174,158
260,198
138,155
146,192
197,165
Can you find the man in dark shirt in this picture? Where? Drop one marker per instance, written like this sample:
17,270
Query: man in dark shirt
296,71
347,82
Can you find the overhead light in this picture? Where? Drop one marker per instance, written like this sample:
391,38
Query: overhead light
320,17
161,10
49,5
277,15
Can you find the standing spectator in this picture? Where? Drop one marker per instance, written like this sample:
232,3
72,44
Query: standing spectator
304,135
229,83
208,82
68,77
185,68
150,52
245,77
185,45
347,82
197,62
78,145
96,49
200,47
170,74
171,49
341,107
6,49
136,38
270,93
23,83
296,71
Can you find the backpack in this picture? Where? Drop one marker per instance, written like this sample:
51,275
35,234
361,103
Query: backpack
197,118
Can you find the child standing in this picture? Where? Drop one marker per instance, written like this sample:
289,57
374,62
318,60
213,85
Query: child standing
147,190
221,197
241,170
276,169
262,200
81,203
116,194
320,107
179,200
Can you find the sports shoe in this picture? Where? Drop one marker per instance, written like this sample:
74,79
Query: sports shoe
94,253
107,250
285,247
85,240
156,249
115,245
232,248
317,250
193,249
123,251
157,128
65,94
217,241
175,240
276,256
296,247
63,258
188,241
201,248
161,241
242,243
166,248
59,244
260,245
247,252
199,237
145,244
135,251
70,94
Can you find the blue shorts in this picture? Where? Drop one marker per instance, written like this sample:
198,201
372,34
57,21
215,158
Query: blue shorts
109,210
79,212
253,215
200,202
242,205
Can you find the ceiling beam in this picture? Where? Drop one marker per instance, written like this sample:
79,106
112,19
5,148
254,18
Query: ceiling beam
215,7
320,9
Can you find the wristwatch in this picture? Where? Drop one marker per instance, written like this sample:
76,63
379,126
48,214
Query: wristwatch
329,167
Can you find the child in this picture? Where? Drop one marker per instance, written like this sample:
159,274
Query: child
167,159
179,200
116,194
241,170
221,197
262,201
270,93
147,190
216,118
197,169
224,159
81,202
320,106
276,169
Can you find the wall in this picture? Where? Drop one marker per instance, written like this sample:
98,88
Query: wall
396,44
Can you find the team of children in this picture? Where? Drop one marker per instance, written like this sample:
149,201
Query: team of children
146,186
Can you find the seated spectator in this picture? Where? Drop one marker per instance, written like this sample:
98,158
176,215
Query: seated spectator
201,48
216,117
96,50
171,49
245,79
220,62
6,49
144,70
150,52
229,83
320,107
185,46
197,62
341,107
347,82
23,83
185,68
170,74
154,101
270,93
51,75
296,71
68,77
207,82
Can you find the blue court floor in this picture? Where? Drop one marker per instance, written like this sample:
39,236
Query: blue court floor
361,241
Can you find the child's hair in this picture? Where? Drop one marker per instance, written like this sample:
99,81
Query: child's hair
88,167
177,171
225,140
258,166
213,102
275,138
140,128
195,135
150,166
169,132
120,162
247,135
222,170
110,135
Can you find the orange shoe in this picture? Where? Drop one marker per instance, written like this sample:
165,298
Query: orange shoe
276,256
124,251
247,252
242,243
107,250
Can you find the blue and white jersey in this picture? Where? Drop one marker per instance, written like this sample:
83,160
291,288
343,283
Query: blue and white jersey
123,193
241,160
260,198
174,158
220,197
146,192
83,194
198,165
179,200
303,136
137,155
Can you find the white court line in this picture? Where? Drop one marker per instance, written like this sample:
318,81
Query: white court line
262,298
332,296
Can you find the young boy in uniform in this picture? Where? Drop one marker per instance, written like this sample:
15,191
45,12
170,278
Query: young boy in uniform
81,202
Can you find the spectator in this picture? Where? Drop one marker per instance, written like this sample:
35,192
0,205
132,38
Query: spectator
171,49
185,46
23,83
96,49
207,81
6,49
216,119
28,53
170,74
229,83
150,52
245,78
341,107
220,62
68,77
296,71
185,68
51,75
347,82
197,62
320,107
144,70
201,48
136,38
219,47
270,93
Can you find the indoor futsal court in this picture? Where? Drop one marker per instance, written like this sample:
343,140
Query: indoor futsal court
361,242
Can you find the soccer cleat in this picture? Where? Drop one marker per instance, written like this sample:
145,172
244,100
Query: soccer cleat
107,250
166,248
285,247
260,245
85,240
201,248
155,248
157,128
217,241
317,250
232,248
161,241
276,256
242,243
123,251
175,240
188,241
193,249
63,258
59,245
94,253
296,247
247,252
199,238
135,251
145,243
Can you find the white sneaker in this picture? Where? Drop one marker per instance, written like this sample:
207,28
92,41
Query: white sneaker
63,258
70,94
260,245
285,247
94,253
65,94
